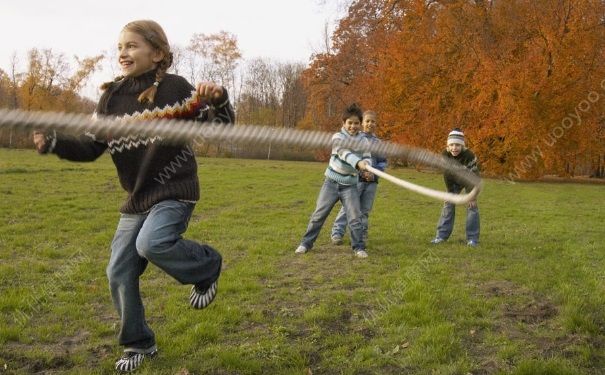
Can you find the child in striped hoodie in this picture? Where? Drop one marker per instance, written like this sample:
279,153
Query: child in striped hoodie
340,183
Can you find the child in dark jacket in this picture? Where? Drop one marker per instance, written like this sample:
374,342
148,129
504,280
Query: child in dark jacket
157,209
456,150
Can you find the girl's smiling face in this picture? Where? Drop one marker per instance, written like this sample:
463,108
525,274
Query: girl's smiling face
135,55
369,123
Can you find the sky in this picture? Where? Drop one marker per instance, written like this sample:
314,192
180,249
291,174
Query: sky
283,30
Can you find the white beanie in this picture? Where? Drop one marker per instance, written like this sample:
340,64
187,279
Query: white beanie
456,136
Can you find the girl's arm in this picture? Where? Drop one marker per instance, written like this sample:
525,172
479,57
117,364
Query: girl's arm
82,148
220,110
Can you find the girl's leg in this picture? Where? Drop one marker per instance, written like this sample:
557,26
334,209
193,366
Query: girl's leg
123,271
328,196
160,241
349,196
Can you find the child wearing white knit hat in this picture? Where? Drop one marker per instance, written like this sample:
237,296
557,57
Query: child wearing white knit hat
456,149
456,136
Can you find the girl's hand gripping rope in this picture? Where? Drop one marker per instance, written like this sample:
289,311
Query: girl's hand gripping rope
211,93
40,141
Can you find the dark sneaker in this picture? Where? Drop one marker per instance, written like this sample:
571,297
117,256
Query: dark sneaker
130,361
199,298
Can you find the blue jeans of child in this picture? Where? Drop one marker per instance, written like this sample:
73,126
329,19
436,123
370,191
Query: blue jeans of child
445,226
330,193
367,193
154,237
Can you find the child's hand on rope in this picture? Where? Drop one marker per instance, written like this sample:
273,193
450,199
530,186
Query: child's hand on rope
210,92
40,141
362,165
367,176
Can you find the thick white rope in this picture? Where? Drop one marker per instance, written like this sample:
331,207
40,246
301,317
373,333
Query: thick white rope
437,194
179,132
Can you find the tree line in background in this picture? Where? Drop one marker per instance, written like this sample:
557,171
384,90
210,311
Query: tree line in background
525,80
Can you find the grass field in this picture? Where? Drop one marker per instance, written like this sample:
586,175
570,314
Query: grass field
529,300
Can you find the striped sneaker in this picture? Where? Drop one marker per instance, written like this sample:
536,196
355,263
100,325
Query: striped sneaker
131,361
199,298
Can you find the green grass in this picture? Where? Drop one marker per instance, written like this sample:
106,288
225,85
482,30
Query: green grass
529,300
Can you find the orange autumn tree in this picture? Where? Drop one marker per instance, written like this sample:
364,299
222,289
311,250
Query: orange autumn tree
522,78
331,80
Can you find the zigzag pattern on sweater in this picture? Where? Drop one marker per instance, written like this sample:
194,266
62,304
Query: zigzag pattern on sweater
130,142
185,109
178,110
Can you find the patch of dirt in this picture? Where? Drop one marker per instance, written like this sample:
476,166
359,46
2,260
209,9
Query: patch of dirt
100,353
55,363
339,325
532,313
59,354
69,343
269,314
487,367
517,316
19,362
562,347
367,333
537,310
500,288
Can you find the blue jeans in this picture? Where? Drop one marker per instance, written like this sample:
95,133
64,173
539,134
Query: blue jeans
154,237
445,226
367,193
330,193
